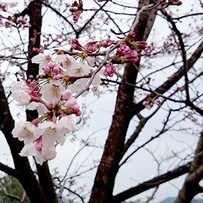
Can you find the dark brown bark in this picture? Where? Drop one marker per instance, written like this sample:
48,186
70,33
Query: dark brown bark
125,109
22,167
104,181
46,182
35,9
35,14
108,168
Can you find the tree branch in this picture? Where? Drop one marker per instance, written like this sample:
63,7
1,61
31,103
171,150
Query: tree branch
174,78
181,170
8,170
191,185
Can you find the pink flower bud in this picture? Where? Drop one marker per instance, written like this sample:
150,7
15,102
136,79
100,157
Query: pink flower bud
76,18
35,121
46,69
76,110
75,44
56,69
131,35
56,77
7,24
66,94
70,102
106,43
109,70
3,7
141,44
92,47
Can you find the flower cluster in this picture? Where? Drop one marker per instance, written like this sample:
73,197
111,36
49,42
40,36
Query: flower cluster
16,22
165,3
52,94
3,7
91,47
109,70
149,102
125,54
76,9
128,49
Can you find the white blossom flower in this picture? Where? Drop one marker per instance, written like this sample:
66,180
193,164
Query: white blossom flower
24,131
20,92
49,152
66,60
41,108
29,149
71,67
42,60
46,153
78,85
80,69
52,132
51,93
66,124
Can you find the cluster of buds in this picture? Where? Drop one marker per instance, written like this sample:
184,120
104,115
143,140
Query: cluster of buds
165,3
129,49
52,94
3,7
175,2
149,102
76,9
17,22
109,70
90,47
93,48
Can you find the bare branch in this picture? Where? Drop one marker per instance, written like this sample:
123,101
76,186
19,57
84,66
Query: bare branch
181,170
191,185
8,170
174,78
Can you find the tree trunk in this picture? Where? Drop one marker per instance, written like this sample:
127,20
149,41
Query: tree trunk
104,181
35,14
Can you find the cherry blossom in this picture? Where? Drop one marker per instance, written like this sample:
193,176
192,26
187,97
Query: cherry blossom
40,140
21,93
52,97
40,107
62,78
42,59
126,54
51,93
24,131
76,9
41,153
107,42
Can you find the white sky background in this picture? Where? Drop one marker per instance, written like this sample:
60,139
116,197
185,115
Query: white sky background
99,122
